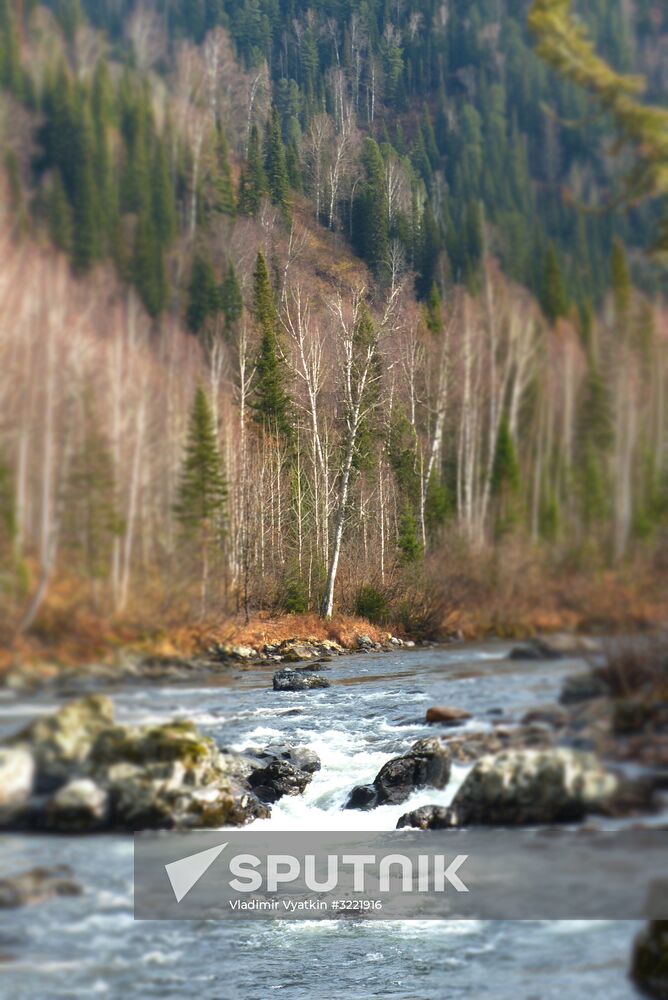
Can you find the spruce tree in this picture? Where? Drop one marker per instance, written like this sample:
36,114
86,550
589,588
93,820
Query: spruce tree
505,480
275,166
409,543
372,223
164,214
148,266
271,403
553,292
203,297
231,299
59,214
253,184
620,280
202,494
224,200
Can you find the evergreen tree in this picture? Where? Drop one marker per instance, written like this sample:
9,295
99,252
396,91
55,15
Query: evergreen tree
148,267
231,299
371,223
91,517
553,292
202,493
164,215
203,297
253,184
224,201
59,214
271,402
505,480
409,543
275,166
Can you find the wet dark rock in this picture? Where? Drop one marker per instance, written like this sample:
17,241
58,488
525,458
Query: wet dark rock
427,818
527,787
469,747
583,687
298,680
447,716
37,885
649,965
282,769
427,764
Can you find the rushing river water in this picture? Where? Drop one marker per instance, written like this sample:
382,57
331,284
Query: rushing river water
90,945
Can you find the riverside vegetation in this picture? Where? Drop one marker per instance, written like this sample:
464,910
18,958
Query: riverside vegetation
304,316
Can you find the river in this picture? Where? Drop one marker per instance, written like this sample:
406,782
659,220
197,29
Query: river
91,946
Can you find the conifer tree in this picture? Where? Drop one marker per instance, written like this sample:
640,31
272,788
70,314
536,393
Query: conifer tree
231,299
372,224
271,402
275,166
253,184
505,479
224,200
201,506
553,292
203,297
409,543
59,214
620,280
148,267
164,215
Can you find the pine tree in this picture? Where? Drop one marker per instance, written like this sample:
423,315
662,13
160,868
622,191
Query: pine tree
231,299
224,201
148,266
253,184
553,292
91,517
409,543
59,214
271,403
505,480
203,297
201,507
164,215
371,223
275,166
202,493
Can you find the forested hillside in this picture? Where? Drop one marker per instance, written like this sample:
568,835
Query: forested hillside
313,306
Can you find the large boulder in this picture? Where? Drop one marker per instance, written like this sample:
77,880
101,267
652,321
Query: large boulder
427,764
80,806
555,647
298,680
36,886
102,775
61,743
649,965
282,769
520,787
17,775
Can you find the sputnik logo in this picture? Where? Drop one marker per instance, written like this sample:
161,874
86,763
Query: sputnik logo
185,873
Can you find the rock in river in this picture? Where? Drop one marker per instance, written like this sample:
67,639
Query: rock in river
298,680
36,886
105,776
520,787
17,774
649,966
287,771
447,716
427,763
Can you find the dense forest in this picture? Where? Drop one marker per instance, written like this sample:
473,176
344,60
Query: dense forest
311,306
